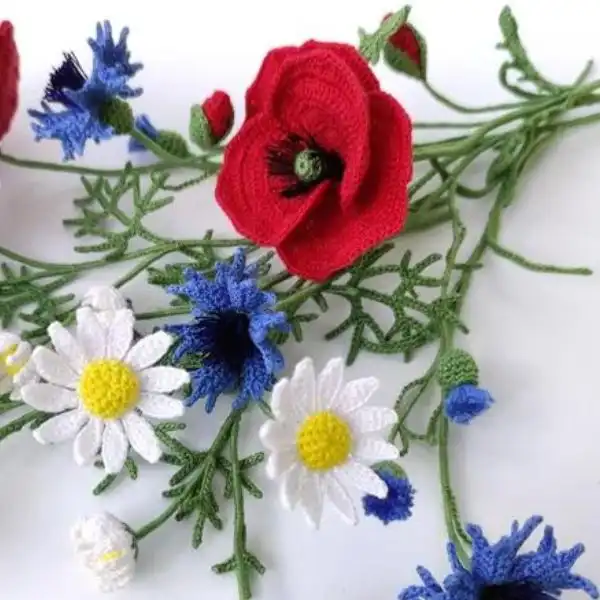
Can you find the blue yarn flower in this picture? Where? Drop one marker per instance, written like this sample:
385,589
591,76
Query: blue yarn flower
397,505
81,98
230,332
465,402
499,572
143,124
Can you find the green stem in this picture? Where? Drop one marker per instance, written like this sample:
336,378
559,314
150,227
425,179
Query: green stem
19,423
469,109
162,313
68,168
239,523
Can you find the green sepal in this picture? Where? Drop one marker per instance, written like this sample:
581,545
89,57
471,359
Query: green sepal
400,62
118,114
199,128
372,44
173,143
391,467
457,367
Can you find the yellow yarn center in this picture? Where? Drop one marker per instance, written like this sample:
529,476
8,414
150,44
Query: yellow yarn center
111,556
324,441
10,368
108,388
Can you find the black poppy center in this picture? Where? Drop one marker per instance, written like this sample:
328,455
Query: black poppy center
299,164
518,590
231,338
69,76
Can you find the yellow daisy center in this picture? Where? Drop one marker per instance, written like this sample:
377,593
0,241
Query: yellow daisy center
108,388
323,441
10,368
111,556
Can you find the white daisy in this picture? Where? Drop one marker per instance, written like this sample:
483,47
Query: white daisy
103,386
107,549
15,367
321,436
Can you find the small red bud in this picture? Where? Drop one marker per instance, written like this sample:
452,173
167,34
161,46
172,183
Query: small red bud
218,111
406,51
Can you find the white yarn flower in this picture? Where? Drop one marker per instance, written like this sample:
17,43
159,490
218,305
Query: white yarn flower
107,549
15,367
105,300
321,436
103,387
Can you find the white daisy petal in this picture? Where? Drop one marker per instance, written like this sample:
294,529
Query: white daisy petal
61,428
67,346
119,334
363,478
114,447
303,387
25,375
53,368
311,499
6,384
48,398
21,354
340,499
159,406
276,436
329,382
104,297
8,339
280,462
372,449
370,419
292,485
163,379
142,437
88,441
149,350
354,394
90,333
281,402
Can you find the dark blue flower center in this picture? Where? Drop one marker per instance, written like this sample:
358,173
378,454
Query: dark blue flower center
228,337
69,76
516,590
299,164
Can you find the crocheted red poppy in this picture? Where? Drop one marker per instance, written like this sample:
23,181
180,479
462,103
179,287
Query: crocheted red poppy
321,165
9,77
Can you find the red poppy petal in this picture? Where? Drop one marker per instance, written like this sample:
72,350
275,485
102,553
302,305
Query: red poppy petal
251,197
330,239
256,93
9,77
316,93
352,58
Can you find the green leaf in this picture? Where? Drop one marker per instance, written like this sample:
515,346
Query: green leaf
371,45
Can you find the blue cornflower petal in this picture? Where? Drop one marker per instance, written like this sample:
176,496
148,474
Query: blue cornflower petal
465,402
397,505
108,55
73,127
232,322
500,571
143,124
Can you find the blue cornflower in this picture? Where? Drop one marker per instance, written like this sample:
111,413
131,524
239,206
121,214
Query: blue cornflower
465,402
230,332
397,505
499,572
143,124
82,98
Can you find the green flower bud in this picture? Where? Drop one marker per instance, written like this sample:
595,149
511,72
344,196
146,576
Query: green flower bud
118,114
457,367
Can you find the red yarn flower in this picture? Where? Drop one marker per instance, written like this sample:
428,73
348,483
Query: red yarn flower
406,51
320,168
9,77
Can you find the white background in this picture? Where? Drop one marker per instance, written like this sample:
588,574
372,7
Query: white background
535,336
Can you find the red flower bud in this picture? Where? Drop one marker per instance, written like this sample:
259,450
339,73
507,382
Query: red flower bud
406,51
219,114
9,77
